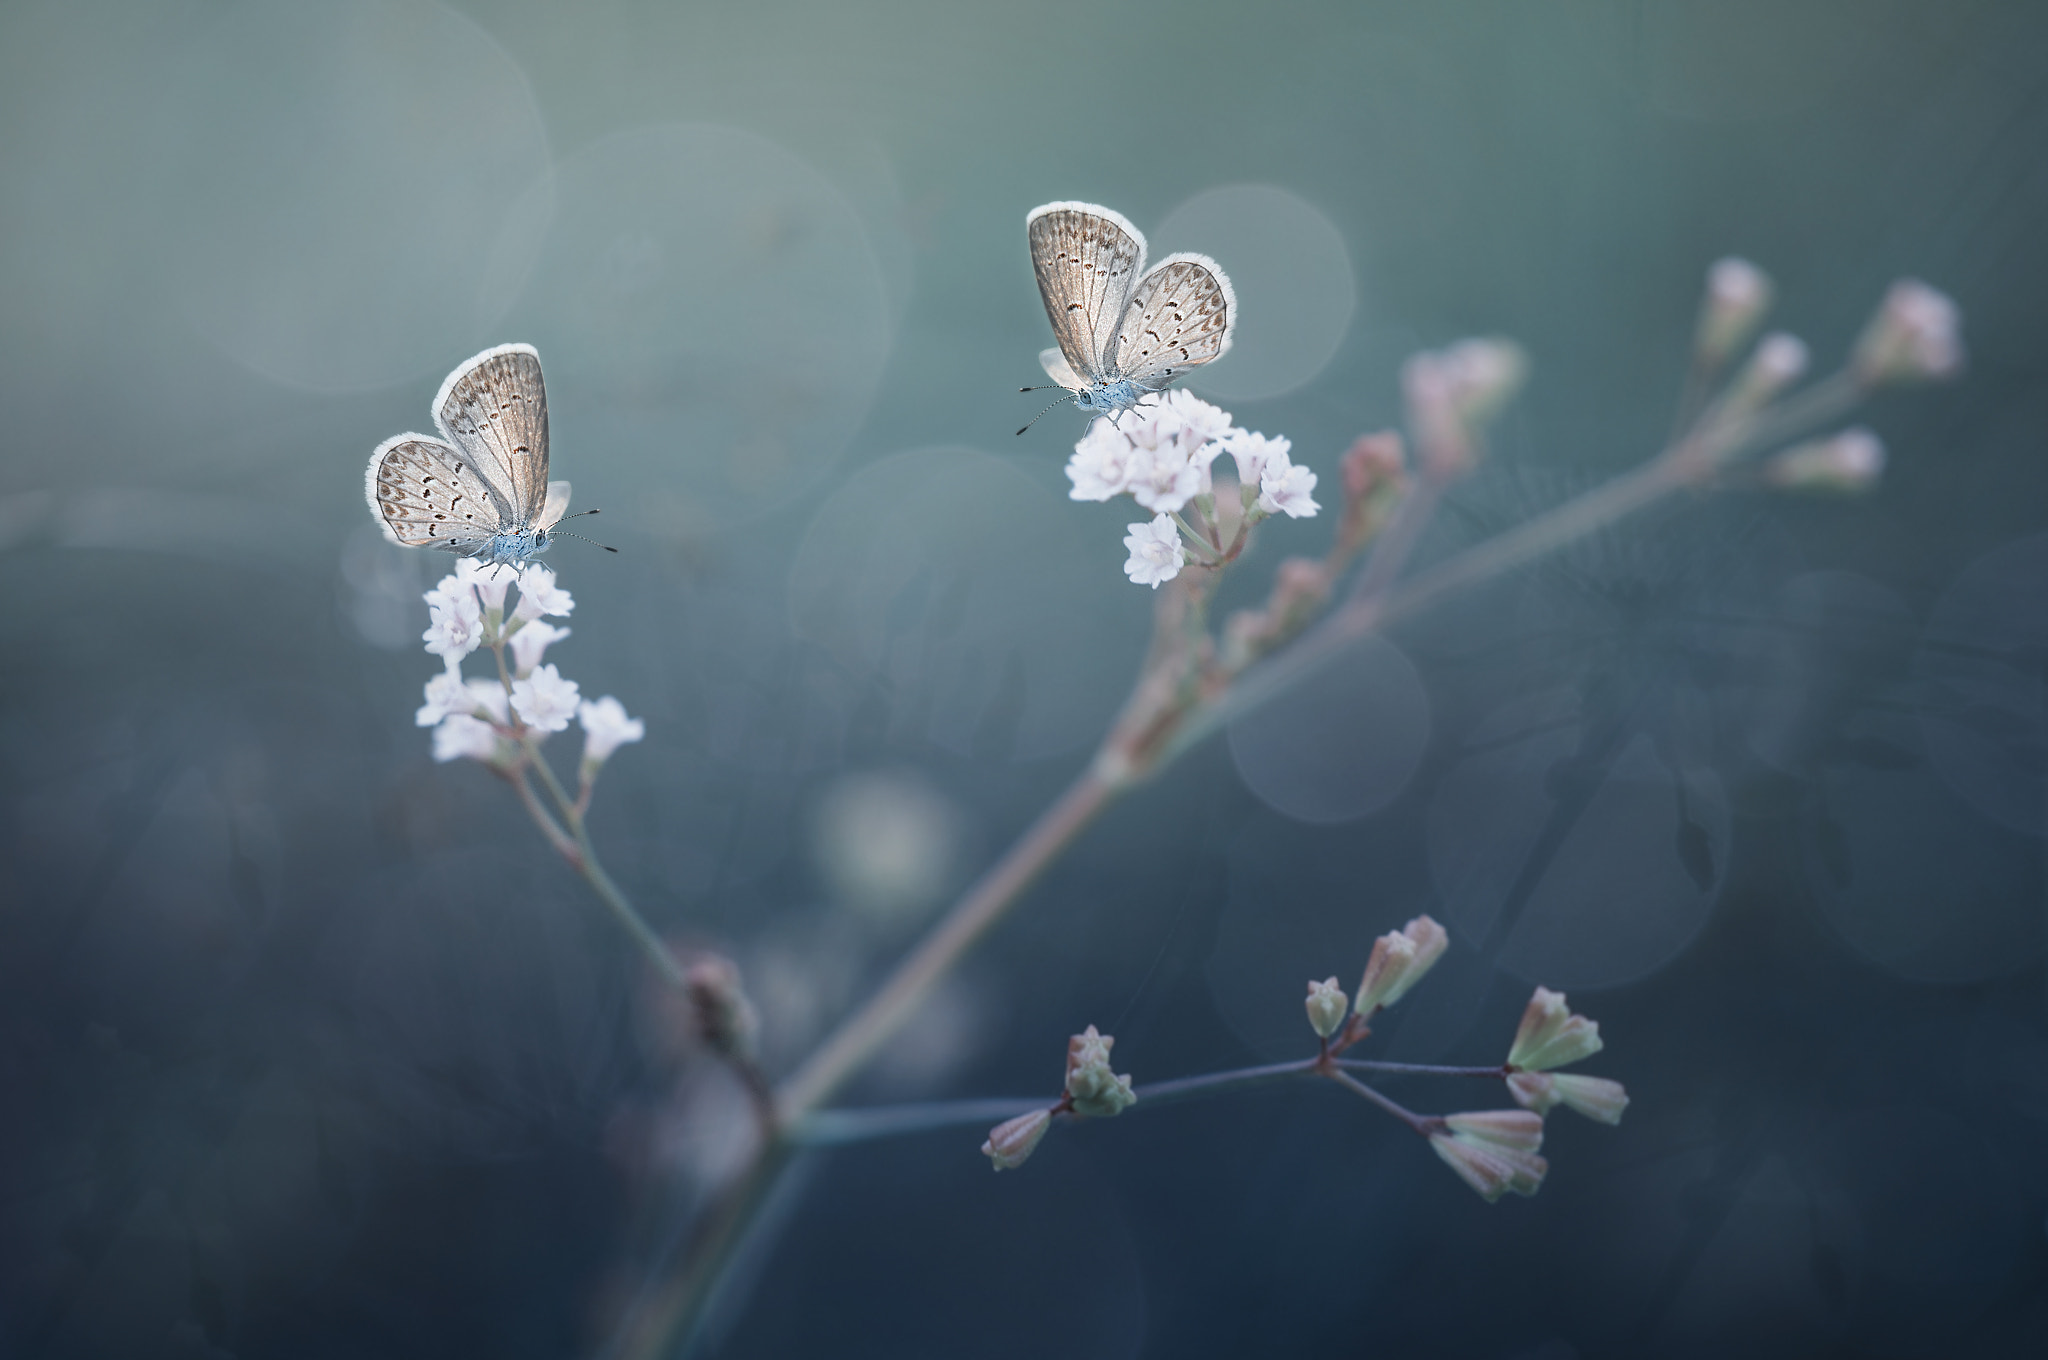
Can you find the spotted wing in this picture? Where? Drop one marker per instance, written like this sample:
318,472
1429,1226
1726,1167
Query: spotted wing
1180,318
1086,258
495,409
428,495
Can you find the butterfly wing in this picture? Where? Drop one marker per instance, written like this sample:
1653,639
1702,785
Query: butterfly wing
1060,371
1180,318
1086,258
555,506
428,495
495,409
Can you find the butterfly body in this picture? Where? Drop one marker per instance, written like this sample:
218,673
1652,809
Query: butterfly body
481,489
1124,332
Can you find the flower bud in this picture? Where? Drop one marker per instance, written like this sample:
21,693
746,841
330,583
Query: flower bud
725,1018
1399,959
1596,1098
1327,1006
1847,462
1738,295
1092,1089
1916,334
1494,1151
1451,396
1011,1142
1778,362
1551,1036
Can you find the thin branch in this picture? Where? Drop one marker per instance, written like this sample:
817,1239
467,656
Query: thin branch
1420,1123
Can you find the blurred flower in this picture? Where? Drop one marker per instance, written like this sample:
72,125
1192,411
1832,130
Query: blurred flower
539,595
1738,295
1551,1036
1916,334
544,700
1594,1097
1847,462
446,693
1286,489
490,696
1494,1151
1101,465
886,841
490,583
461,737
1453,393
1011,1142
1092,1088
1327,1005
455,624
1399,959
606,728
1156,553
725,1018
1778,362
530,640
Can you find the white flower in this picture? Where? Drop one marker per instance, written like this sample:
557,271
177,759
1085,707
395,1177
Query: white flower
446,693
544,700
455,625
1013,1140
1156,553
530,641
1162,478
1200,422
1101,465
606,728
490,583
539,596
1551,1036
489,696
1326,1006
462,737
1252,451
1287,489
1399,959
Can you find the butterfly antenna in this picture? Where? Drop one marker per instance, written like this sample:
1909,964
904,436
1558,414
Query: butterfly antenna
1034,420
591,541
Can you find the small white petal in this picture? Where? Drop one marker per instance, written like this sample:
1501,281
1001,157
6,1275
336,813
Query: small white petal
1156,552
544,700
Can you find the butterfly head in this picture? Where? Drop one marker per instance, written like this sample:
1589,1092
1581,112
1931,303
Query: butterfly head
1109,396
512,549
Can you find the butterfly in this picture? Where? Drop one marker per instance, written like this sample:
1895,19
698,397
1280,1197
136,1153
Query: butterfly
1124,332
482,489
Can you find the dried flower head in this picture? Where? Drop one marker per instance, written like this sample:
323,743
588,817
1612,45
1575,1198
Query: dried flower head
1092,1089
1847,462
1594,1097
1738,295
1916,335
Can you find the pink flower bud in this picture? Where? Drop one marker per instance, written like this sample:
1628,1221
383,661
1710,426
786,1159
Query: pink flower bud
1551,1036
1738,295
1847,462
1399,959
1916,334
1013,1141
1494,1151
725,1019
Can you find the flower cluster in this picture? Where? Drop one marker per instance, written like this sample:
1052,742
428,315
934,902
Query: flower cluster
1092,1091
485,719
1159,455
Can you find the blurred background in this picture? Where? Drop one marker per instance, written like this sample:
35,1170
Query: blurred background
307,1048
